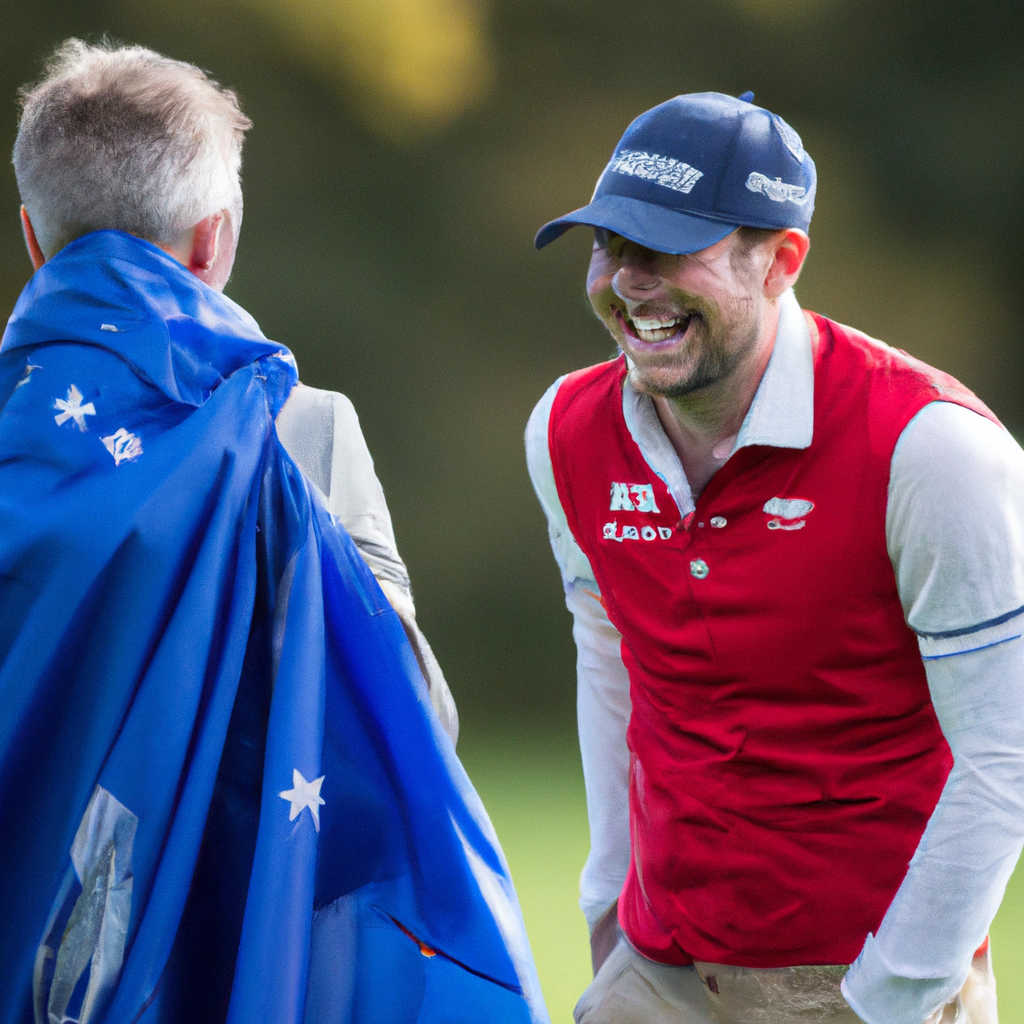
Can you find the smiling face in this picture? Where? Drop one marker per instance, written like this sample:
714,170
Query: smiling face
686,322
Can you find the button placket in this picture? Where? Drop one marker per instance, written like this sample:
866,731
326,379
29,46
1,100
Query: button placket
699,568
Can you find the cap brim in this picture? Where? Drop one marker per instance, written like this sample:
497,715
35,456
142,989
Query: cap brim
649,225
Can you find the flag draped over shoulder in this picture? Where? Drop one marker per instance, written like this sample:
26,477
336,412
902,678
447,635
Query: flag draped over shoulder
223,794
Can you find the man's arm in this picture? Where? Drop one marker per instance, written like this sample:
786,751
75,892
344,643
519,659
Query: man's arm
321,432
955,528
602,703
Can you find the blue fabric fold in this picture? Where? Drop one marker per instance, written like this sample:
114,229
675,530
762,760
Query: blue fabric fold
193,655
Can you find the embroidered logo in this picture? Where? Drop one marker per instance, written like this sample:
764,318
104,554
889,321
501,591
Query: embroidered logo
123,446
787,513
612,531
633,498
776,189
72,409
662,170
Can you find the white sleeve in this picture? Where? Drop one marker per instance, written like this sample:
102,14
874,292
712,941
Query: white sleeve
320,431
603,707
572,563
955,529
602,697
956,537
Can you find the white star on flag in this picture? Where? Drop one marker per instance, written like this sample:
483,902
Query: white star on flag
304,794
123,446
27,375
73,409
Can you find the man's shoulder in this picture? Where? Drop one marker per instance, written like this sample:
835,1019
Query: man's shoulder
568,389
591,388
838,340
304,397
309,408
888,373
610,371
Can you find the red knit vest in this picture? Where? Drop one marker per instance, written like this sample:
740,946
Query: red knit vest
785,756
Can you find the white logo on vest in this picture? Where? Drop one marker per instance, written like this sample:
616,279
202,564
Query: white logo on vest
642,499
612,531
787,513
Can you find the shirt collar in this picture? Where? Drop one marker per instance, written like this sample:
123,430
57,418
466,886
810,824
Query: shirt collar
780,416
782,412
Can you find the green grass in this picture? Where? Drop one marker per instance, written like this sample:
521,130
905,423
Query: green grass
1008,951
533,790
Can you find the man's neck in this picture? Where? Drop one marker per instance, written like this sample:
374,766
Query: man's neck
703,427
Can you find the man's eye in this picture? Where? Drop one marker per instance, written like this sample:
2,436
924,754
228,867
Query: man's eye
602,237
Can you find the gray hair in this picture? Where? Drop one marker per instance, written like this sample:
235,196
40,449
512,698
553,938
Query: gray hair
124,138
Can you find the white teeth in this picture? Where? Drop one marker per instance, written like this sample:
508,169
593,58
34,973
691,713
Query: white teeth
655,329
654,325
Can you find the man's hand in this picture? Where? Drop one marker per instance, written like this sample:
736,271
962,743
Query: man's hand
946,1014
440,696
604,936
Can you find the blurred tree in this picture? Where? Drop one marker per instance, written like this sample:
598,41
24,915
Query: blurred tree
409,65
404,153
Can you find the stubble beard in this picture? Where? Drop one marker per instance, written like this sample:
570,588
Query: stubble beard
706,360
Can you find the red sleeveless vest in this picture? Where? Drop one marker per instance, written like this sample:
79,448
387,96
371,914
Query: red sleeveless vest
785,756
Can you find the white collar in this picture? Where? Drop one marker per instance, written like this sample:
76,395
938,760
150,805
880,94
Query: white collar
780,416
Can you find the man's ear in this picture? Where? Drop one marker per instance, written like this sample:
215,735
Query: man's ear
212,250
205,242
787,261
38,259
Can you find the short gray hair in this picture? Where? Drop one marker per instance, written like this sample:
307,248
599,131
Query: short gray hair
122,137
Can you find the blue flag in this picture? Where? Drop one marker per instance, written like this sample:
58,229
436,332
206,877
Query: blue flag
224,794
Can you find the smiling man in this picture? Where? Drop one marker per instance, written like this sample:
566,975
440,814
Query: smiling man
795,561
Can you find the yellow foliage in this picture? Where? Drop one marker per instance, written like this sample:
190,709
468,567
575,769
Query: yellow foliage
410,65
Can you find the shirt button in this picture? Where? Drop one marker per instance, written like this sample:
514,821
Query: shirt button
699,568
718,522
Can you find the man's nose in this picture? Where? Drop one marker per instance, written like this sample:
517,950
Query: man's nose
637,277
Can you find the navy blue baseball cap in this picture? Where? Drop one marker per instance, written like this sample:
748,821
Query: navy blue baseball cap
692,169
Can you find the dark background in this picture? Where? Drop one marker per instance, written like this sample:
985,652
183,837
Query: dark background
405,151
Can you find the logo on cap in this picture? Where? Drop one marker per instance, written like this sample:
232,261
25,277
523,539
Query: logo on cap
776,190
663,170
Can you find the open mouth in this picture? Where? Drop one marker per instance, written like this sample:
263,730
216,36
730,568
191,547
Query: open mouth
654,330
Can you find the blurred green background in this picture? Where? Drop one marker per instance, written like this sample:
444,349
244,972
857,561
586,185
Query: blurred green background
405,151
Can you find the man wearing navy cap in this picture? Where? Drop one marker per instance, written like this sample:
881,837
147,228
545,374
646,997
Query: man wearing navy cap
795,561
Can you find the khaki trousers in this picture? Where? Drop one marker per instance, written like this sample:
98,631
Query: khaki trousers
630,989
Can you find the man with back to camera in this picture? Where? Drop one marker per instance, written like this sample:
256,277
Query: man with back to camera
319,429
224,794
795,561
